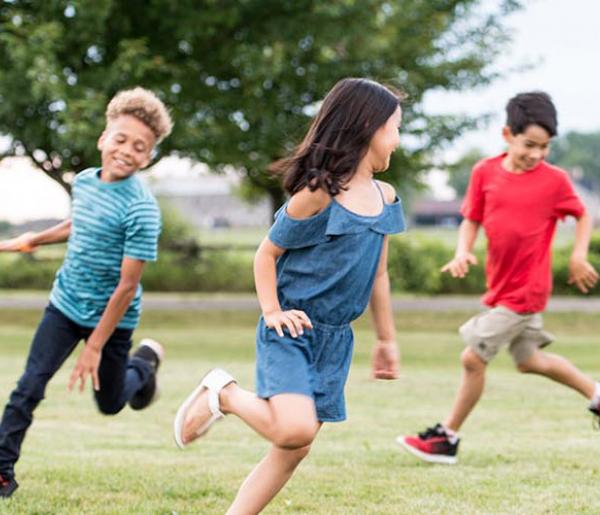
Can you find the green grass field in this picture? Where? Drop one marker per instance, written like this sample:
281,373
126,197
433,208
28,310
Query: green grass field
529,447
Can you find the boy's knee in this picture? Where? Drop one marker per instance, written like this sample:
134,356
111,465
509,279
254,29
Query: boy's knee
471,361
108,407
530,366
297,438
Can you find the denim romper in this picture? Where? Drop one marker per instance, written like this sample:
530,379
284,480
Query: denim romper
327,271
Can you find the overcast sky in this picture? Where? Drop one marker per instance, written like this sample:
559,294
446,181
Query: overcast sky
560,37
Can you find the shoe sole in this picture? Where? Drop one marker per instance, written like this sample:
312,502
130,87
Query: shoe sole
182,411
430,458
158,349
185,406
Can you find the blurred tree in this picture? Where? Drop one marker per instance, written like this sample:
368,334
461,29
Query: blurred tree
4,228
460,171
580,154
242,77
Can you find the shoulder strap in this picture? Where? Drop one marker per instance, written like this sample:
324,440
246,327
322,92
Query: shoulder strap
380,191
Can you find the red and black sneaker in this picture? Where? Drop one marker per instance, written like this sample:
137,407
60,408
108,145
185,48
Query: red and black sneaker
8,485
433,445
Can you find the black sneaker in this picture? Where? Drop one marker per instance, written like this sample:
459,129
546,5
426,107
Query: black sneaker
152,352
8,485
432,445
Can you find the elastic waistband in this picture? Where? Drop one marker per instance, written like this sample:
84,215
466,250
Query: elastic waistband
330,327
323,325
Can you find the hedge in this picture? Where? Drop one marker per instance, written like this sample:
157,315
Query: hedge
414,266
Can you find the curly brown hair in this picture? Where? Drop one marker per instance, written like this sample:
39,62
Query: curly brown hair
145,106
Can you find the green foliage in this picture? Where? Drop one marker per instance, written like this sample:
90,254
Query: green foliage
214,271
177,234
414,264
241,78
4,228
27,272
580,154
595,244
460,171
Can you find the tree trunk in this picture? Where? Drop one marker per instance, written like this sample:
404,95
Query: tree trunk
49,170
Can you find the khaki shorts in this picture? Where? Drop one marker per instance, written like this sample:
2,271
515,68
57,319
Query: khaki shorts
487,332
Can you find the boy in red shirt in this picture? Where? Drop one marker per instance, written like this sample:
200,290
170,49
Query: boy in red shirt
517,197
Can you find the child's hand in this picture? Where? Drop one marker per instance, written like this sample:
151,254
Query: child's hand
459,266
22,243
582,274
87,365
385,360
294,319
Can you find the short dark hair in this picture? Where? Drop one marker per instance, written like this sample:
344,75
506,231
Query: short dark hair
339,136
531,108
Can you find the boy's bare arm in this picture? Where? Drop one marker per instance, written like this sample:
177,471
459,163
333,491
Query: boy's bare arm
385,353
29,241
581,272
89,359
463,257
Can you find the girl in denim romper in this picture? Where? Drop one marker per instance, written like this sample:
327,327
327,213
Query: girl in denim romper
323,260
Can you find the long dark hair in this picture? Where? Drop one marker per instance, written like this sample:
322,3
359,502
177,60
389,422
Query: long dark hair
338,137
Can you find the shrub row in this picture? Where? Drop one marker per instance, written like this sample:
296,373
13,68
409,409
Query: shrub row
414,266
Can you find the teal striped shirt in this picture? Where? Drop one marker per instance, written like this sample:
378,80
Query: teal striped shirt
110,220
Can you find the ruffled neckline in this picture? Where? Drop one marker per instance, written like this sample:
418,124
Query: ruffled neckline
344,221
341,220
334,220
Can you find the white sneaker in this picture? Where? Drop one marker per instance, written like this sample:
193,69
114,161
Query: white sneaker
214,381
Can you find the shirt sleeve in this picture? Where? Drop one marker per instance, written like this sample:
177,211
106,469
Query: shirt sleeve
142,229
474,201
292,233
568,202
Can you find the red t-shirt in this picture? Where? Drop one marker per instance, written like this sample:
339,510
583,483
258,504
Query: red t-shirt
519,213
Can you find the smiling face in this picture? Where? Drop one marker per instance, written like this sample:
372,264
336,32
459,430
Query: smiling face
125,147
385,140
527,149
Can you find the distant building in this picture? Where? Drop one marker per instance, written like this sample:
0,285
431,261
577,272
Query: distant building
205,199
432,212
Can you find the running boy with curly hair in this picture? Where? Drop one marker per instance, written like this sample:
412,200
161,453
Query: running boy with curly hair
113,230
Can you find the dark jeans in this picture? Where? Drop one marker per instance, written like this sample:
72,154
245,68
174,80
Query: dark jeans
54,340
